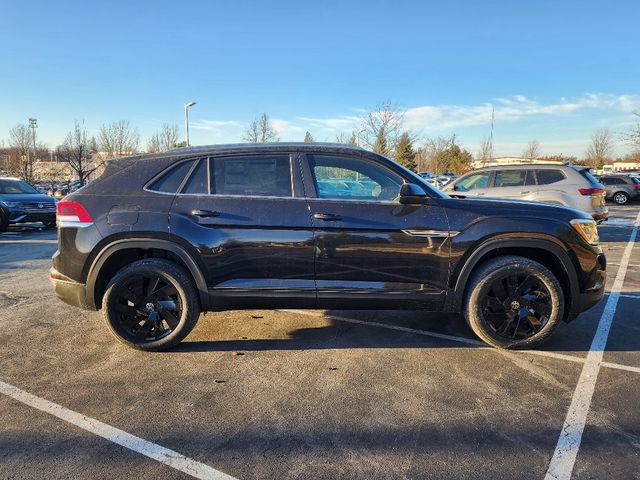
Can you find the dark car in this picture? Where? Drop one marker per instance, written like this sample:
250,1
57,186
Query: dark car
158,239
21,203
621,188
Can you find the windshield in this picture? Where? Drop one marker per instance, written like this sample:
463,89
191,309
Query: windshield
15,186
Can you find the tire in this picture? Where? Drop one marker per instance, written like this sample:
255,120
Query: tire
620,198
151,304
4,221
508,318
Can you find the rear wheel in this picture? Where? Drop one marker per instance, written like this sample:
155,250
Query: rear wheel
621,198
513,302
151,304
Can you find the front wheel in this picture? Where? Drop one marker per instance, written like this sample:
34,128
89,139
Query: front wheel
151,304
513,302
621,198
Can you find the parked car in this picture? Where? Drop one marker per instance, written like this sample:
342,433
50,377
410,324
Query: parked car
564,185
159,238
20,203
621,188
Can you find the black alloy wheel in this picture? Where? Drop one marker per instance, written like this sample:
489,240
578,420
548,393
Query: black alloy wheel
151,304
513,302
517,306
148,307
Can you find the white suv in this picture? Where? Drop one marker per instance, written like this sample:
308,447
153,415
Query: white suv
572,187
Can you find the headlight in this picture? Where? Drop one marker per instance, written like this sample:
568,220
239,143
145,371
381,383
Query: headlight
587,229
9,204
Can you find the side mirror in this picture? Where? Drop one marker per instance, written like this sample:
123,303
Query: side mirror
412,194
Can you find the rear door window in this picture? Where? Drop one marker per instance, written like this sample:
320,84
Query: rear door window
547,177
510,178
252,175
198,182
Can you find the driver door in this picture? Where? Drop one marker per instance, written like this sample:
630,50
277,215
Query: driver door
370,250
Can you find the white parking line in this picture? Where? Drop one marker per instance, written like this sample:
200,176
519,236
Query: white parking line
564,456
427,333
115,435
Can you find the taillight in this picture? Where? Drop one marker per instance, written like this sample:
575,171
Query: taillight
72,214
636,186
591,191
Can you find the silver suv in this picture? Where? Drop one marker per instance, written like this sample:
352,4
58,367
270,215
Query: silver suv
570,186
621,188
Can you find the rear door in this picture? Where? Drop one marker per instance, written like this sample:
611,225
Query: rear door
247,217
513,184
370,250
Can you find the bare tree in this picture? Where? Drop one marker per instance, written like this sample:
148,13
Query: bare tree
21,144
633,135
532,150
382,127
165,139
486,150
347,138
118,139
600,149
78,151
261,130
431,151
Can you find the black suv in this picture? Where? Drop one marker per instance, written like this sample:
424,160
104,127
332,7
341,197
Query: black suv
159,238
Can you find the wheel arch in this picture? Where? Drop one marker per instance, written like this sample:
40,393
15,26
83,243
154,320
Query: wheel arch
121,252
546,252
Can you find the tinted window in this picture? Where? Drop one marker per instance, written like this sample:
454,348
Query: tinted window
261,175
510,178
634,180
546,177
170,181
613,181
586,174
353,179
473,181
198,181
16,186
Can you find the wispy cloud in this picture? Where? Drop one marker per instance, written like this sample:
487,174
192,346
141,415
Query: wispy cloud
513,108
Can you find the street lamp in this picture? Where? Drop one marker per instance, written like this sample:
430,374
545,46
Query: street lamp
358,132
33,124
186,120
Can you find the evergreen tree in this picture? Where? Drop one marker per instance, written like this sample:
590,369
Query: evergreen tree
380,145
405,155
308,138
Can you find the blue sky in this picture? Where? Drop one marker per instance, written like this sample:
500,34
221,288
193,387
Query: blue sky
553,71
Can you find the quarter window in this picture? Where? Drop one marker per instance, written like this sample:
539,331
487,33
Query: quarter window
353,179
546,177
171,180
255,175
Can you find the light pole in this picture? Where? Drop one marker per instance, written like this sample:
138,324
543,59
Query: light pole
33,124
186,120
358,132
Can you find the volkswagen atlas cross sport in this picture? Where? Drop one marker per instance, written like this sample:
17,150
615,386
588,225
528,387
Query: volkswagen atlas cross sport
157,239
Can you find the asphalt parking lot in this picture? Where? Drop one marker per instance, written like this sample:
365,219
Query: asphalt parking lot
315,394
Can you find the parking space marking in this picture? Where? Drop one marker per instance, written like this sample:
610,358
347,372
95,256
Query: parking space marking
618,366
149,449
427,333
564,456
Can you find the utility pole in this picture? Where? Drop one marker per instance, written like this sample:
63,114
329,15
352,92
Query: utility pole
33,124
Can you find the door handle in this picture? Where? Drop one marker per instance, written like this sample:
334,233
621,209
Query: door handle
327,217
205,213
524,193
480,193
